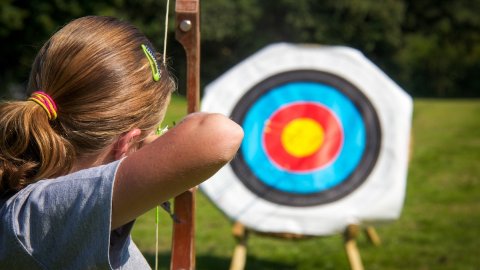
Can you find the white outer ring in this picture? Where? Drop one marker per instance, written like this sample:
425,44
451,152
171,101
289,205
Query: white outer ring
379,198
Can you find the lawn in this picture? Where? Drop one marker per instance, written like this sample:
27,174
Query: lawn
439,227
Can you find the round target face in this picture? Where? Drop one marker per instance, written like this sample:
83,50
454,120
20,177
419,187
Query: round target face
310,138
325,145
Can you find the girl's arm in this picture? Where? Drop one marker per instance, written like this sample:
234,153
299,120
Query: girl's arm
182,158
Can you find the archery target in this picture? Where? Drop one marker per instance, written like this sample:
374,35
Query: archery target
306,140
317,152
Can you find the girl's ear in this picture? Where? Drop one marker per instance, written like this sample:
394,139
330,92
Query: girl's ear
126,143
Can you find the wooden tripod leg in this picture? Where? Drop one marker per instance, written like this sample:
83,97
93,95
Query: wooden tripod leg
351,248
240,253
372,235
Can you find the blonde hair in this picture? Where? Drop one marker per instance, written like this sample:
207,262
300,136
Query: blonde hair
97,73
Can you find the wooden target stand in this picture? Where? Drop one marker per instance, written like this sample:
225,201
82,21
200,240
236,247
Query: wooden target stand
241,233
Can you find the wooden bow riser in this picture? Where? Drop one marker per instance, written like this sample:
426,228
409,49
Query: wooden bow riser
187,23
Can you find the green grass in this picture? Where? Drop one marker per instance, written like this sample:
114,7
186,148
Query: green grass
439,227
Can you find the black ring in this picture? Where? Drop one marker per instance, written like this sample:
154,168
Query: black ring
347,186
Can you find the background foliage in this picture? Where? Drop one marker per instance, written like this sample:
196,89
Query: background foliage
431,48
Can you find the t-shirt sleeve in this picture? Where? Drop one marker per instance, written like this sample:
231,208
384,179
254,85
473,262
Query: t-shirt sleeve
66,221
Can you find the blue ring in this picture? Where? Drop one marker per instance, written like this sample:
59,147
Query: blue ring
314,181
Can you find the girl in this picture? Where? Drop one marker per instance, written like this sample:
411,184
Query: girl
78,159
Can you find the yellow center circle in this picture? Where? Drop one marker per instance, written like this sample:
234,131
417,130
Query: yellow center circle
302,137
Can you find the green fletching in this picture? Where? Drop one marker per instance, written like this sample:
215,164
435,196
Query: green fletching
160,130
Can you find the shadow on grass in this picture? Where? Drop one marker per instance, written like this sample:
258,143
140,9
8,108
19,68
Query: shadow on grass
209,262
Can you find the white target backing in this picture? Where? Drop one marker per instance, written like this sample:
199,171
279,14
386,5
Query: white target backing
326,140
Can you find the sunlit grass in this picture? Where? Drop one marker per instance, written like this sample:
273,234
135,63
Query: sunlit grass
439,227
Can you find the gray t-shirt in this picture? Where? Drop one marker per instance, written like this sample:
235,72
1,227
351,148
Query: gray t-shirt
64,223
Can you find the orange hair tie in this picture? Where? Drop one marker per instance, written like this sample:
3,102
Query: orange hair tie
46,102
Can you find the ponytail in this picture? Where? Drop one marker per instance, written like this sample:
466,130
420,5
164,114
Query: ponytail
95,70
30,149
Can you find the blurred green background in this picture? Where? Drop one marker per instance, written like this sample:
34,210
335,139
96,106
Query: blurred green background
431,47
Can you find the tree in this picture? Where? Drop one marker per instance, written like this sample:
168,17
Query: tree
232,30
431,48
441,52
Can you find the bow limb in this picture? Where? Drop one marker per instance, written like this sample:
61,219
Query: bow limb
187,22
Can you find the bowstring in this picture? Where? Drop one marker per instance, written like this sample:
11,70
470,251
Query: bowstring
166,33
157,210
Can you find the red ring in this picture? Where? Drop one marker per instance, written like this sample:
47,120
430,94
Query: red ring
328,151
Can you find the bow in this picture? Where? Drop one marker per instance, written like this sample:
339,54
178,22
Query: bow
187,33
